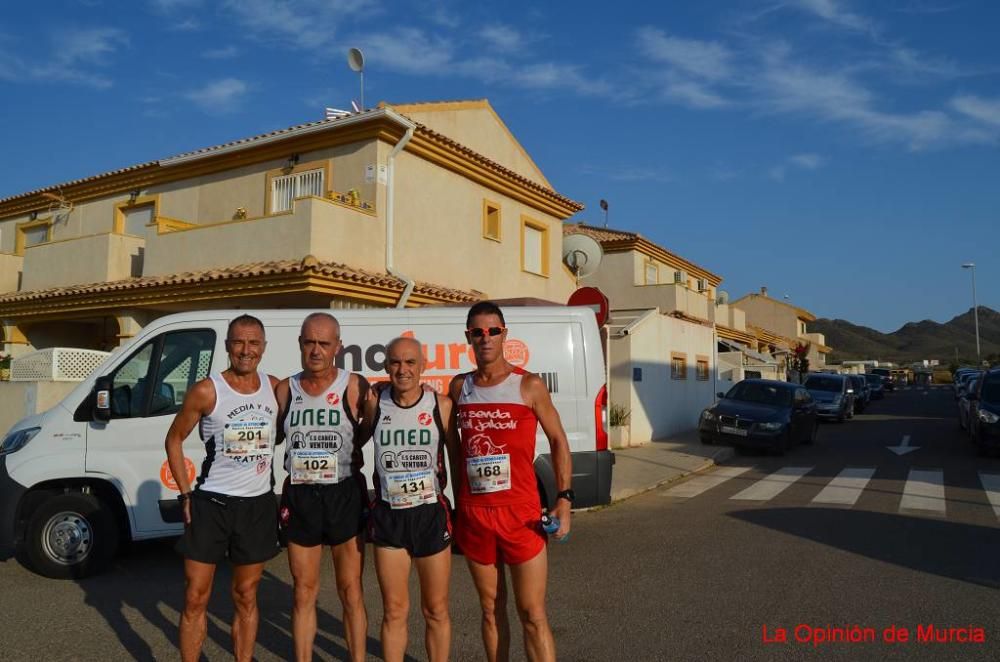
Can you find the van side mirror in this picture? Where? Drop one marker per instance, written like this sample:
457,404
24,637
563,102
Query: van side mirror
721,395
102,399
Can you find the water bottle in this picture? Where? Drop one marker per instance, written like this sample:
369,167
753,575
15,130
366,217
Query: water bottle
550,523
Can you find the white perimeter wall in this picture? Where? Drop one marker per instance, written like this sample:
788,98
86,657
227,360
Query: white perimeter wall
660,406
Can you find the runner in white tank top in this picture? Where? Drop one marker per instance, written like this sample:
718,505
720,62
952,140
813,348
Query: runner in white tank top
319,433
324,498
410,519
231,513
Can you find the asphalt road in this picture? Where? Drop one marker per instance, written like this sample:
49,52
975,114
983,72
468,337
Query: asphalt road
661,576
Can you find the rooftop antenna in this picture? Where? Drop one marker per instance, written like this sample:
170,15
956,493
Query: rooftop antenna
604,206
356,61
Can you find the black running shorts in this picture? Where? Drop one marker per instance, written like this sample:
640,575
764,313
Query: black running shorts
322,514
422,530
244,529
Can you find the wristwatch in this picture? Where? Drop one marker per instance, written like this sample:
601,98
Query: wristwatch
569,495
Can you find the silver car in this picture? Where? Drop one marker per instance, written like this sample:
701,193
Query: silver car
833,394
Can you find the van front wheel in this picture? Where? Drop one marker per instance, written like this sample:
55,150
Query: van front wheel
70,536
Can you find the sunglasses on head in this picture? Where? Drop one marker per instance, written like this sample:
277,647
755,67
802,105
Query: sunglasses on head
479,332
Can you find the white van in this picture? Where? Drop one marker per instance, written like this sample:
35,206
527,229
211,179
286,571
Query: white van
77,479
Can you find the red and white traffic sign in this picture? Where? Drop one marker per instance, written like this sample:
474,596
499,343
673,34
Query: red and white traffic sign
592,298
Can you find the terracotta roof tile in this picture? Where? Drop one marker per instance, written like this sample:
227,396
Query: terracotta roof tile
307,266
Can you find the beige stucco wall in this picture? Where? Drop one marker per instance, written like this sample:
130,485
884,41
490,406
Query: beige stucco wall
93,259
661,406
478,129
10,272
439,235
326,230
621,275
20,399
768,314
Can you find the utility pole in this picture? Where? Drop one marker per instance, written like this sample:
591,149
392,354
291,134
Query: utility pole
971,266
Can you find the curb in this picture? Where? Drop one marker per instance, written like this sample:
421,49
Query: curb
721,455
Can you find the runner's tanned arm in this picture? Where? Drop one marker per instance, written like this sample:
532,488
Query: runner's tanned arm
562,464
198,402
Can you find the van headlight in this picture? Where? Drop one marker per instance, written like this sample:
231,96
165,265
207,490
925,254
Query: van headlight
988,417
707,415
15,441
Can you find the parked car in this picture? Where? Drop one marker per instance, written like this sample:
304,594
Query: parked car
833,395
761,413
964,402
862,393
886,376
875,385
962,385
984,412
957,378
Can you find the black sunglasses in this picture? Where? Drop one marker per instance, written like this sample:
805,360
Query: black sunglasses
479,332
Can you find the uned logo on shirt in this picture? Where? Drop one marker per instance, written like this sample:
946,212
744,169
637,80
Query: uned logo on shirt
425,418
332,399
516,352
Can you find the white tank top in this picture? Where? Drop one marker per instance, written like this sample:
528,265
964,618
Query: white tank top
239,440
409,453
319,433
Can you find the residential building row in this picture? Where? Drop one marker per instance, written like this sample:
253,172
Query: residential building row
410,204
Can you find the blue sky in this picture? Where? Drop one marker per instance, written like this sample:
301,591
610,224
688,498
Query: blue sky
844,153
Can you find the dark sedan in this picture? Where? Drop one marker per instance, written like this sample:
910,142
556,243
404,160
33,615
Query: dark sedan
761,413
984,412
876,386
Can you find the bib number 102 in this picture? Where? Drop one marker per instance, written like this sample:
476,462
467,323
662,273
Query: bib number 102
489,470
314,465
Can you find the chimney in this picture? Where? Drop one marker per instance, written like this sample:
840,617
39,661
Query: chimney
763,291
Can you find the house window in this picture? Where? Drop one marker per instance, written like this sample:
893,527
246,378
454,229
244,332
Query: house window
491,220
286,188
701,368
136,219
652,273
678,366
534,247
32,234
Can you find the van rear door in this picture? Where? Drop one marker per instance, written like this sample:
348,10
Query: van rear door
148,389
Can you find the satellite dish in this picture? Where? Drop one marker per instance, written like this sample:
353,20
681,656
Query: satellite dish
722,298
356,59
582,254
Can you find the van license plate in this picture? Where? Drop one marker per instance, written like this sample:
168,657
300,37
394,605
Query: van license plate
726,429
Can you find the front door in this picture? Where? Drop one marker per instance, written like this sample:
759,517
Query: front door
148,389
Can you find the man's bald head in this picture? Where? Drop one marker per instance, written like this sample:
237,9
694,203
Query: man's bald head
321,321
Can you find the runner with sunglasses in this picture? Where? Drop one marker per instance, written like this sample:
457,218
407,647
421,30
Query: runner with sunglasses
499,408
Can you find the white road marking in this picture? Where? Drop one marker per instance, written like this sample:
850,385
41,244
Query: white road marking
846,487
771,486
991,485
924,490
700,484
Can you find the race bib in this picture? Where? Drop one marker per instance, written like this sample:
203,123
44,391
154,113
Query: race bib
410,488
313,466
243,438
488,473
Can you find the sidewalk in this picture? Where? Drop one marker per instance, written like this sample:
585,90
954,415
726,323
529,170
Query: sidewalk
644,467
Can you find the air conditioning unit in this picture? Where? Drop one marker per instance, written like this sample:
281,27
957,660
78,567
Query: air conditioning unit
722,298
681,277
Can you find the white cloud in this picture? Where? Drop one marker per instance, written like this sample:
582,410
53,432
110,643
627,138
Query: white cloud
986,111
777,173
219,97
807,161
168,6
226,53
834,12
410,50
693,94
553,75
502,37
76,56
703,59
306,24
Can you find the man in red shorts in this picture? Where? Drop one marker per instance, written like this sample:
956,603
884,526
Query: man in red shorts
499,408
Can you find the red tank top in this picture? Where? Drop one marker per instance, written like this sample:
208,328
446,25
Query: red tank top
498,444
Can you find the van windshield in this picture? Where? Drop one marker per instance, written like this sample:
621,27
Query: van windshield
991,391
824,384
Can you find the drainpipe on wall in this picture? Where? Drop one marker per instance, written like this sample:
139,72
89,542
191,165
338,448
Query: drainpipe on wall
390,218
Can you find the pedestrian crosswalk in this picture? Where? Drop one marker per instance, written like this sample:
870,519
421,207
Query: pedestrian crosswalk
923,492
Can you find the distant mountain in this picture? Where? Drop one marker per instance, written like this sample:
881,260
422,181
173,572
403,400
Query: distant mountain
913,341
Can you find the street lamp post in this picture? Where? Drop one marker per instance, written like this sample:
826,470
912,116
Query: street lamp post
975,307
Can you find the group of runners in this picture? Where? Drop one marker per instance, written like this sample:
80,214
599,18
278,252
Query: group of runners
486,425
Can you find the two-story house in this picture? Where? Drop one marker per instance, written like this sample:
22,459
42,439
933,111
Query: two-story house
416,204
673,335
781,326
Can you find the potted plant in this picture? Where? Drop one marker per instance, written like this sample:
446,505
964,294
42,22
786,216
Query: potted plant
4,366
618,418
